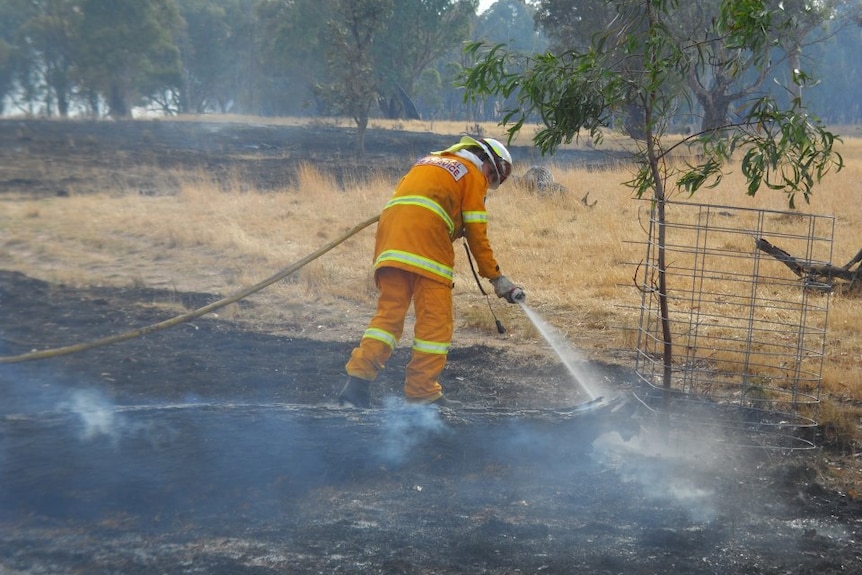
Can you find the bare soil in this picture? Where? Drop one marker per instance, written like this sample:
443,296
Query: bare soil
214,448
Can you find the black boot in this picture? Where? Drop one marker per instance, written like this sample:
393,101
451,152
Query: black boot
444,401
441,401
356,392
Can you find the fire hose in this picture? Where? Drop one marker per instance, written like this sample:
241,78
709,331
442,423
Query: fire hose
66,350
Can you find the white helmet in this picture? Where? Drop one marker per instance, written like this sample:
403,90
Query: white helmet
500,158
495,153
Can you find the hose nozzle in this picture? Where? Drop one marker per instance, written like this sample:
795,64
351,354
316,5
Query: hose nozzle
517,295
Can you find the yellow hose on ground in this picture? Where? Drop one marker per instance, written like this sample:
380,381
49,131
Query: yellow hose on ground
69,349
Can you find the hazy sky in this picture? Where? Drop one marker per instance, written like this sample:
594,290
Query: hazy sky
484,5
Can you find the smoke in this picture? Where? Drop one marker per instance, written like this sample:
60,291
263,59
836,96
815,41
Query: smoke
70,440
667,469
404,427
96,415
77,410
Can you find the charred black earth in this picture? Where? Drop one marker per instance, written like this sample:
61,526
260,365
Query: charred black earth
209,449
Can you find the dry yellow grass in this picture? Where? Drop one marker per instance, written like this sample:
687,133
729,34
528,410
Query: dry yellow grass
574,261
839,195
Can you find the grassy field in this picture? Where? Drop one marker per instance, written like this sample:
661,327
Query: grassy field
574,261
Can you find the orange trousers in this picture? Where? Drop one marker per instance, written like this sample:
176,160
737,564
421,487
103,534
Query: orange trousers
432,334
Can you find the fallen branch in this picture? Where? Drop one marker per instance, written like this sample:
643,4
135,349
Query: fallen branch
845,279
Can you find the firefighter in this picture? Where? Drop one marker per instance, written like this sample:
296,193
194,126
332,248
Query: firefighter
441,198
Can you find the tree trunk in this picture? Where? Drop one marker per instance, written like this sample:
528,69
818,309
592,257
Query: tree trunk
361,128
714,112
117,103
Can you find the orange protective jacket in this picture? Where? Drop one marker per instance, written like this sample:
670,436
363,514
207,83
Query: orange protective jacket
440,199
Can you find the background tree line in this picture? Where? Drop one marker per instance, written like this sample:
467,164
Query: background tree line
366,58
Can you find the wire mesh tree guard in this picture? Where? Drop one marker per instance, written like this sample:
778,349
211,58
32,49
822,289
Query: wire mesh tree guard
748,337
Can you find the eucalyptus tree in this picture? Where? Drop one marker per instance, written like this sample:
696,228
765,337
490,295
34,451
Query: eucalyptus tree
293,45
354,28
23,79
418,33
796,25
795,21
578,91
571,24
128,50
204,48
46,42
13,14
714,85
511,22
6,72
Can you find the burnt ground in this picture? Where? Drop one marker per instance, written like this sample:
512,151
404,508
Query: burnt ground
136,154
210,448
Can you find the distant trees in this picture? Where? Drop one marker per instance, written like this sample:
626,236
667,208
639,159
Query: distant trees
6,76
418,33
281,57
836,62
92,51
713,86
353,29
36,53
264,57
128,50
293,40
209,44
48,52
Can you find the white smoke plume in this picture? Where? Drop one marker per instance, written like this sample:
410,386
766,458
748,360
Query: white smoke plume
405,426
96,414
665,470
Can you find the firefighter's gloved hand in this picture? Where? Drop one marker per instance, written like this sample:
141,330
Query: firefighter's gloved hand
504,288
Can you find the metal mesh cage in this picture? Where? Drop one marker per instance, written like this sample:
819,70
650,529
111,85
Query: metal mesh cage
746,332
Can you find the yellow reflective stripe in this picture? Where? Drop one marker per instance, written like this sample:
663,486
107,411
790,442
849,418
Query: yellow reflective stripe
380,335
426,203
435,347
475,217
417,261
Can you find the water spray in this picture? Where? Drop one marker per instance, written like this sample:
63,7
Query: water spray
558,343
568,355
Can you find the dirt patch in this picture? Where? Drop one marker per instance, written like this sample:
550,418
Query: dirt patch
213,447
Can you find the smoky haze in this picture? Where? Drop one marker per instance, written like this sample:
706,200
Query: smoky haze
68,453
90,485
